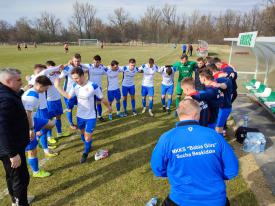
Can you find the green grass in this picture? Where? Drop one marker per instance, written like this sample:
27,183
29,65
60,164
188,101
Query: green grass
125,178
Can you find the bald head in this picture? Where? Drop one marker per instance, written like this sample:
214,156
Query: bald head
11,78
189,109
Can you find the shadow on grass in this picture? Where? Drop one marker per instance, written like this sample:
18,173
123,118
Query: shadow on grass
107,129
246,198
213,54
113,170
123,144
105,174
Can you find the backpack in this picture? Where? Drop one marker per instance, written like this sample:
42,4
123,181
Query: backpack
241,133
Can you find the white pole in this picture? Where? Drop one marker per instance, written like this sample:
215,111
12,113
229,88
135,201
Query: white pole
254,50
230,55
267,70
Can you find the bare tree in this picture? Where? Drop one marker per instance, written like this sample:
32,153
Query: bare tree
49,23
268,17
119,20
155,25
5,29
151,23
88,13
24,30
76,21
169,17
169,13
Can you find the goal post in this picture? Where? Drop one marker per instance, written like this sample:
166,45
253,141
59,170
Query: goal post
87,42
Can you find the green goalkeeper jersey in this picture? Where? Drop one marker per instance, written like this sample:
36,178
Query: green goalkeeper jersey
185,70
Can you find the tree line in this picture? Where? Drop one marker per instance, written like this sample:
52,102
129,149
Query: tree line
157,25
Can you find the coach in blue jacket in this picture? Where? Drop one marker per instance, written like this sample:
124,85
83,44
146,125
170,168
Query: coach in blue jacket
196,160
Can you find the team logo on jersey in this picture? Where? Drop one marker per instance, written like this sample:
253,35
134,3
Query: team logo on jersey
190,129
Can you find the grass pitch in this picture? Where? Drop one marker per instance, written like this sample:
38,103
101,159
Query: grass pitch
125,177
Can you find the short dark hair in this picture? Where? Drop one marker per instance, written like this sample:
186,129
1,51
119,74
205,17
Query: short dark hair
114,62
212,67
151,60
50,63
200,59
77,70
132,60
201,69
43,80
209,60
207,74
169,69
39,66
216,60
184,56
77,56
97,58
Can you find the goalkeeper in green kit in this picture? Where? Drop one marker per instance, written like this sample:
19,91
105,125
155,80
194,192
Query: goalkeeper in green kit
185,69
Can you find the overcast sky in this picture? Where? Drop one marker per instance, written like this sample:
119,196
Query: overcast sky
10,10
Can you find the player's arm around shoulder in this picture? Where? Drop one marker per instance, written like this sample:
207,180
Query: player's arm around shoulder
161,69
61,90
176,66
141,68
86,68
156,68
50,70
120,69
64,72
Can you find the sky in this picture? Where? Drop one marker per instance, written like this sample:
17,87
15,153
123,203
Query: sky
11,10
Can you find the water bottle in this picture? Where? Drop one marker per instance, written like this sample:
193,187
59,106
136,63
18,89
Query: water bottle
256,148
152,202
245,121
262,146
254,142
245,145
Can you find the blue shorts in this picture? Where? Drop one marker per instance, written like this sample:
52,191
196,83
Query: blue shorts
97,99
131,90
32,145
147,91
55,108
70,103
114,94
223,116
87,124
42,114
39,123
167,89
212,116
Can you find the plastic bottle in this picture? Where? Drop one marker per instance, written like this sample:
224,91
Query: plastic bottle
245,145
254,142
263,143
152,202
245,121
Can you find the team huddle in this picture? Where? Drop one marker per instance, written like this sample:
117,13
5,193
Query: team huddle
214,88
